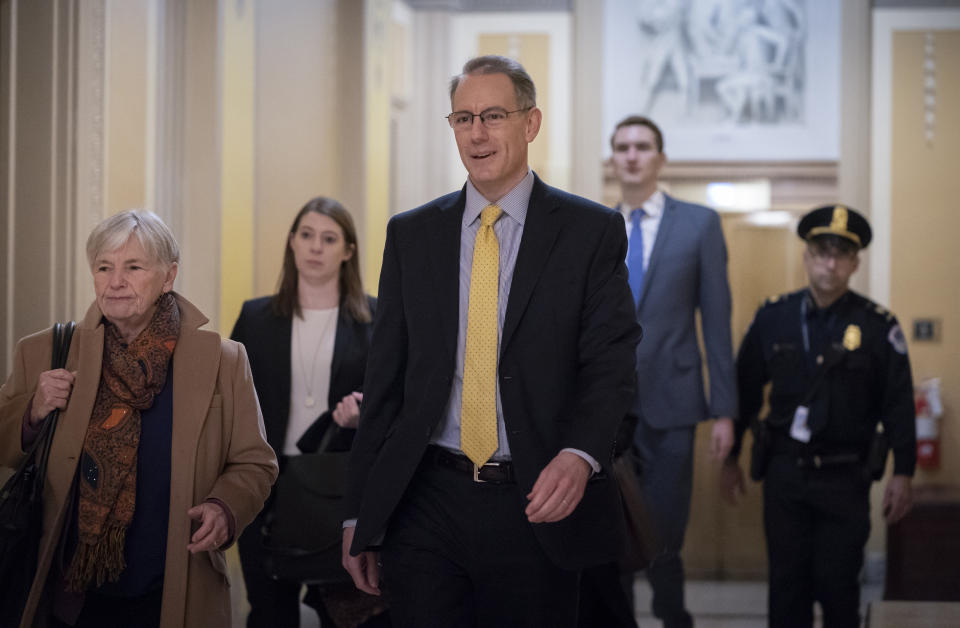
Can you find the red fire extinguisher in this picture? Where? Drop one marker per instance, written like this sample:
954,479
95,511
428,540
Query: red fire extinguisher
929,410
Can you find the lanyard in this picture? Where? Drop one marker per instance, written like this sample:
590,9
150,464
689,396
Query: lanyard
803,324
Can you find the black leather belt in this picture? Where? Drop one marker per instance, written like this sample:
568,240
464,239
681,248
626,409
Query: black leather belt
493,472
819,461
808,456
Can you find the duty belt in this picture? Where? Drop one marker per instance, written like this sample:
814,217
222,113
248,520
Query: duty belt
808,456
819,461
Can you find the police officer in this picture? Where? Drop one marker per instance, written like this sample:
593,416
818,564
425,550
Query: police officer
838,365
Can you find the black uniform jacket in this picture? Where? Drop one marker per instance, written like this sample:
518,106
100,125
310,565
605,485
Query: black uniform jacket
868,377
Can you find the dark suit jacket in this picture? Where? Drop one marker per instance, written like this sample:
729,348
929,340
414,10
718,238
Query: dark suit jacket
687,272
267,337
566,368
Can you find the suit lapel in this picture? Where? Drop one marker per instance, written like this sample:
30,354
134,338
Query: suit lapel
341,343
539,232
663,234
444,256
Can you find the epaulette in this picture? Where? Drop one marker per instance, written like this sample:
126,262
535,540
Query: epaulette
777,298
877,309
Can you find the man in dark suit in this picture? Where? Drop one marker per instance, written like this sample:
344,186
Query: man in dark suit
677,261
534,344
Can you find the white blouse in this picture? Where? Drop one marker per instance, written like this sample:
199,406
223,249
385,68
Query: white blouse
311,354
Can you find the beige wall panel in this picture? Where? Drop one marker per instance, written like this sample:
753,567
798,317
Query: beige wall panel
586,162
406,171
377,136
533,51
351,116
89,121
725,541
423,145
36,254
37,201
125,104
7,173
199,277
853,168
237,170
297,122
924,221
31,154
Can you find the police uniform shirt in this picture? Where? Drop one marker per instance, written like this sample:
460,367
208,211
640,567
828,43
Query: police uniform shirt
868,378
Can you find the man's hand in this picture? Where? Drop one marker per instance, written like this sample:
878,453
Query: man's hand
732,486
897,499
347,412
364,569
721,440
213,530
558,489
53,391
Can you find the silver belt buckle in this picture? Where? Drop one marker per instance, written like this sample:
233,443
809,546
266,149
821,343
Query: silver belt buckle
476,471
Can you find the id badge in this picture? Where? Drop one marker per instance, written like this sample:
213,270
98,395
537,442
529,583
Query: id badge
799,429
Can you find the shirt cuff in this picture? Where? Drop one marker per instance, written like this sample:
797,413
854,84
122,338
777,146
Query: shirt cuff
231,521
350,523
593,463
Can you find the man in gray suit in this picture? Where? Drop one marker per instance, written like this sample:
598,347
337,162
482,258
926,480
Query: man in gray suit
678,264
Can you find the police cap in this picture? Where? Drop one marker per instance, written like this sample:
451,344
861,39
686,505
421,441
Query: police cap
836,220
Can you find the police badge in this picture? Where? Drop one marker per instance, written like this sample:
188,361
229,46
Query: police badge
851,337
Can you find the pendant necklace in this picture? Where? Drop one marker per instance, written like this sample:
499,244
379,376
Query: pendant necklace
309,400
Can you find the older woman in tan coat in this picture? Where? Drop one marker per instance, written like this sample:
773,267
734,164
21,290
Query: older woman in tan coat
159,459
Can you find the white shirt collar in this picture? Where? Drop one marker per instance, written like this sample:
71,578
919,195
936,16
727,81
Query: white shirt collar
653,206
514,203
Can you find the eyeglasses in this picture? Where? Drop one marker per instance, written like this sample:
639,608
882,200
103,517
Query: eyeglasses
837,255
490,118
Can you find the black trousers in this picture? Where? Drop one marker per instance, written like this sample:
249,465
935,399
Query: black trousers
606,598
817,522
105,610
458,553
273,603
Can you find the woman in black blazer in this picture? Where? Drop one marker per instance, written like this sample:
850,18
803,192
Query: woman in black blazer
307,347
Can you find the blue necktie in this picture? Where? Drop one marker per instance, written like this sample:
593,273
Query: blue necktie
635,254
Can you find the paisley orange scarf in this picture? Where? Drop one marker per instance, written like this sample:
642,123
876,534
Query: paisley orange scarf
131,376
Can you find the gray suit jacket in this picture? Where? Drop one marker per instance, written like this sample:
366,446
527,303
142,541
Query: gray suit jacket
687,271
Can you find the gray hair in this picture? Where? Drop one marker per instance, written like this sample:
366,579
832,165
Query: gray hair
155,237
523,88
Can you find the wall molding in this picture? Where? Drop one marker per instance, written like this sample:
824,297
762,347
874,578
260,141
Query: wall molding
885,23
10,45
90,68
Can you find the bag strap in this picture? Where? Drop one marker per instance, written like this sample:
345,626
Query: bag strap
832,358
332,430
62,336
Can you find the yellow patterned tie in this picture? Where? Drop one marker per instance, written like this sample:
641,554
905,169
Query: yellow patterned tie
478,412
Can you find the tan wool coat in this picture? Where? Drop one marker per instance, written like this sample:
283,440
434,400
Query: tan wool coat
218,450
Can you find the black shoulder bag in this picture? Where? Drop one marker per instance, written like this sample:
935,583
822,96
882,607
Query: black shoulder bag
21,505
304,528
